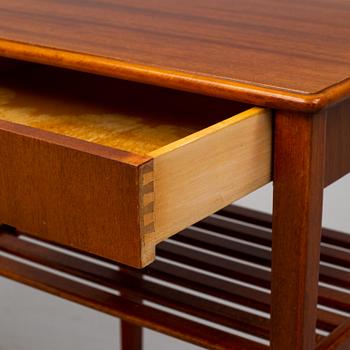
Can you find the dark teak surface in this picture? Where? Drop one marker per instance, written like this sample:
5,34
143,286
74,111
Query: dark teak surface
289,54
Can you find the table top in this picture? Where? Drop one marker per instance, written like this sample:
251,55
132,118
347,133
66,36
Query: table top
291,54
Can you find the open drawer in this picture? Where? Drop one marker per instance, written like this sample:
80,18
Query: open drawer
112,167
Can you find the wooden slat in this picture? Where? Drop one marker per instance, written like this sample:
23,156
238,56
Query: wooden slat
329,254
335,277
328,321
247,215
210,285
334,299
185,251
229,269
122,308
243,295
214,264
216,223
139,289
255,235
335,238
135,289
84,269
265,220
240,271
224,246
263,257
338,340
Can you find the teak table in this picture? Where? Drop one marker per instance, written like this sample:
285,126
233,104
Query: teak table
124,125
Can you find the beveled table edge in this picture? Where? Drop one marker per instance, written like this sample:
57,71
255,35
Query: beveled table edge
191,82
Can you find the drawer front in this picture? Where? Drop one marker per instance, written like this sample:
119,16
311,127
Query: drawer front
71,192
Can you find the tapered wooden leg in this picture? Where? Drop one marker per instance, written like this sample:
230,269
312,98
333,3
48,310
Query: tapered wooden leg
297,213
131,335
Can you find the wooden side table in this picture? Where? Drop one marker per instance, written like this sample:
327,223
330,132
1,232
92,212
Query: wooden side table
112,168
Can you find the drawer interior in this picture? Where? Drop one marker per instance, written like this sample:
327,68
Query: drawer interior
128,116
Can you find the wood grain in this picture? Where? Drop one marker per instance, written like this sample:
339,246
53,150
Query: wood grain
297,212
338,142
72,192
339,339
131,334
113,305
187,268
281,55
174,146
126,116
208,170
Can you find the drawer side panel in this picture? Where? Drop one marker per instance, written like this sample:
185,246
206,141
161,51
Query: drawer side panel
211,169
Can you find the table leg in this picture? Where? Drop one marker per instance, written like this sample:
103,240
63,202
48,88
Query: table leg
297,215
131,334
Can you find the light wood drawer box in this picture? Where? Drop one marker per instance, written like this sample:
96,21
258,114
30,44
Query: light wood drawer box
112,167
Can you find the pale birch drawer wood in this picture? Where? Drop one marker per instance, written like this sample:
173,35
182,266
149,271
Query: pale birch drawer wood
112,167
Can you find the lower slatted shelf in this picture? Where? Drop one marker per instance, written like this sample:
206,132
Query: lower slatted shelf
210,284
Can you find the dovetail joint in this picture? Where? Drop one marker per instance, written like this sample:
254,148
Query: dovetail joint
147,199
